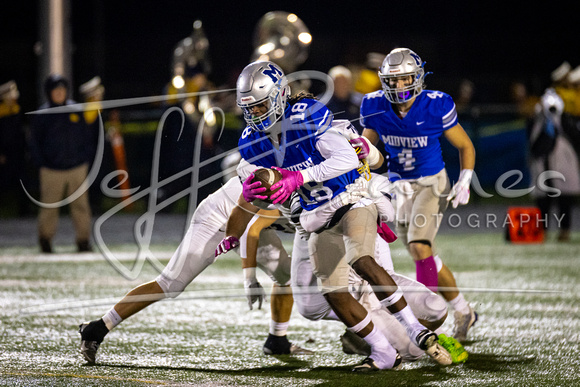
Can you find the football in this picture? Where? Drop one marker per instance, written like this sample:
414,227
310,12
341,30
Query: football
267,177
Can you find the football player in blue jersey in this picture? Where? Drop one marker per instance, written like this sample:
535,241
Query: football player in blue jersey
296,137
409,121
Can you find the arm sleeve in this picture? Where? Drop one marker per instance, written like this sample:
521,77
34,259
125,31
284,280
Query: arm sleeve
340,157
449,118
245,169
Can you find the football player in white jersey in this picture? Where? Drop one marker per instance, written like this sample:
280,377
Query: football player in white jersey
430,308
410,121
296,137
195,253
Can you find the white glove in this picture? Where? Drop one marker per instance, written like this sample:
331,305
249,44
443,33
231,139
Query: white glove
254,291
460,191
379,189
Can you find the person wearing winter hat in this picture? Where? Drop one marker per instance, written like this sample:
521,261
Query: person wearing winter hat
61,146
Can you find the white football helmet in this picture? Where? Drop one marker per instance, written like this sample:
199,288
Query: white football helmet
399,63
262,83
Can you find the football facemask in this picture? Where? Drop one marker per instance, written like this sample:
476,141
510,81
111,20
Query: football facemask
398,64
262,92
262,115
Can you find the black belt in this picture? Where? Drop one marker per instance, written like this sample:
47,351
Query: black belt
335,218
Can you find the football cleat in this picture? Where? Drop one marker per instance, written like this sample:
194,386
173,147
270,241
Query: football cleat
352,344
92,335
428,342
296,350
462,324
454,347
369,365
279,345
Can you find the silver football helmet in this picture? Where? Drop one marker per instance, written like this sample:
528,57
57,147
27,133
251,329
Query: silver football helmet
262,84
402,62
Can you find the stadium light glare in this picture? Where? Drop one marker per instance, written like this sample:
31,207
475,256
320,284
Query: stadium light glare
305,37
178,82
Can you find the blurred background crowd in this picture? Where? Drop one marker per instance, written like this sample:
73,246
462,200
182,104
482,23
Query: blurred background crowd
513,75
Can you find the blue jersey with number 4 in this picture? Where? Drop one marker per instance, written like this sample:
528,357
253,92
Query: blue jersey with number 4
412,142
303,123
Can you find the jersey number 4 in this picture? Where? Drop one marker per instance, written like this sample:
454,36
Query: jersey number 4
406,159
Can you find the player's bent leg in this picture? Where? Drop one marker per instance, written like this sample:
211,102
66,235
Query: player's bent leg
429,308
358,321
463,323
464,315
194,254
275,262
395,303
310,303
444,280
93,333
277,343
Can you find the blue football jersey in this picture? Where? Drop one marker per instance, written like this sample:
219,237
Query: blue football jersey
412,142
303,123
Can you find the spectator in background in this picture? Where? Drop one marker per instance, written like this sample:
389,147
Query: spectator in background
571,116
551,150
465,96
573,82
12,146
345,102
92,92
367,80
561,84
524,101
61,146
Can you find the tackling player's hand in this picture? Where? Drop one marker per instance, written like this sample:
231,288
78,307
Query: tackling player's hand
254,291
227,244
460,192
290,182
361,146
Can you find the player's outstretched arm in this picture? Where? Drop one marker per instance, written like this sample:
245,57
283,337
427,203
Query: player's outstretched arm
459,139
254,291
236,225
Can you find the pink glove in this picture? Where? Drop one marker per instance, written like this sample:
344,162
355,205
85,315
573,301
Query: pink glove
289,183
386,233
227,244
251,190
362,145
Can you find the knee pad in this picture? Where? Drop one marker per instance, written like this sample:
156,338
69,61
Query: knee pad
312,307
171,288
434,306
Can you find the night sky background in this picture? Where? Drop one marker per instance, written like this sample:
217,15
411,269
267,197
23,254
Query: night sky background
129,43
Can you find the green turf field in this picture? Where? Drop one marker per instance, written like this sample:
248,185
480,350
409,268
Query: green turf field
523,338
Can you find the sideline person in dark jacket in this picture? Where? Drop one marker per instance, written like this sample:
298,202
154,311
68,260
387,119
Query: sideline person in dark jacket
61,146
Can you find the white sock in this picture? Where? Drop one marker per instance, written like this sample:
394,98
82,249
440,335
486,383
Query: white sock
382,352
459,304
279,328
112,319
406,317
